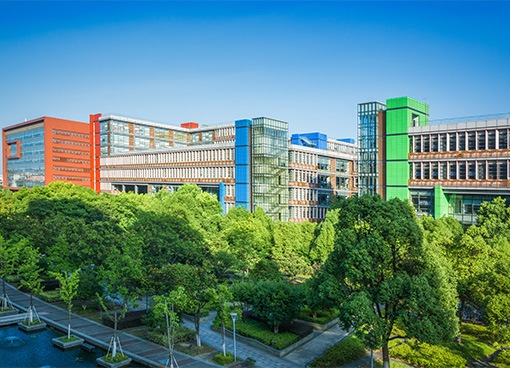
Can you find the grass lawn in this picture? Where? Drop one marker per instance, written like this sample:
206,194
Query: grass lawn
477,343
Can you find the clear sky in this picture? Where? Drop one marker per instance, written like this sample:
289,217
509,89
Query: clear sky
307,63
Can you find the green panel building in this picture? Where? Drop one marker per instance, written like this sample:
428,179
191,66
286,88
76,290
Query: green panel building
401,114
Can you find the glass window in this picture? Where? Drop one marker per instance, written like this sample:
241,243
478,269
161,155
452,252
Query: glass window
417,143
472,170
453,170
481,141
462,170
442,144
426,143
471,141
481,170
491,138
453,142
503,136
492,170
462,142
435,144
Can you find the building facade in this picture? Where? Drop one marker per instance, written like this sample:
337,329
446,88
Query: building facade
445,168
249,163
43,150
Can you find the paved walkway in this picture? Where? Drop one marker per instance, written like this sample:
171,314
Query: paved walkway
140,350
299,358
155,355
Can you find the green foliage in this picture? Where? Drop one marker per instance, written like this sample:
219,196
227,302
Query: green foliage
68,286
223,359
321,316
119,357
181,334
29,270
275,302
68,339
259,331
49,296
428,356
503,358
384,273
291,247
349,350
266,269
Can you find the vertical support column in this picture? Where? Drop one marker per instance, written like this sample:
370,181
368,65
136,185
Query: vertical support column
95,152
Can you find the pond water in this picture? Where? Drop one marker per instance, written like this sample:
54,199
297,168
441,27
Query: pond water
21,349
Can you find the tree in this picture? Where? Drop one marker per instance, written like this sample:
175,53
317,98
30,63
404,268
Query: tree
166,306
385,273
324,241
9,257
221,298
68,290
30,278
197,282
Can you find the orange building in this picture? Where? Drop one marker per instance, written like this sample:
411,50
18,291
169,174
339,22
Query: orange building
43,150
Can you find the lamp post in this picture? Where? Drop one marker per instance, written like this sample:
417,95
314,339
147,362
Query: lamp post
234,317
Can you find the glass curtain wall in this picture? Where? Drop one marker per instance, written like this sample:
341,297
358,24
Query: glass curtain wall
368,140
27,170
269,167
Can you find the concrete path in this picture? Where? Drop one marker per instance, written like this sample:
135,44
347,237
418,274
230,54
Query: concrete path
140,350
299,358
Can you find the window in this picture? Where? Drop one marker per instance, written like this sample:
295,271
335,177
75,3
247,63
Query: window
471,141
481,141
462,142
453,142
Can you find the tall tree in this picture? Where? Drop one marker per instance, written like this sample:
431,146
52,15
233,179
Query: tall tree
385,274
68,289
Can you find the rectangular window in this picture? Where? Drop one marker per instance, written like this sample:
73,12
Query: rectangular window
472,170
462,170
471,141
417,143
426,143
503,136
453,142
492,170
481,141
435,144
442,144
462,142
481,170
453,170
491,138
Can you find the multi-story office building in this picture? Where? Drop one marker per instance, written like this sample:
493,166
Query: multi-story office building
248,163
43,150
444,168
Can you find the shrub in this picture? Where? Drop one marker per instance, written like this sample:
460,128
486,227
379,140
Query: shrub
323,316
182,334
346,351
49,296
222,359
119,357
261,332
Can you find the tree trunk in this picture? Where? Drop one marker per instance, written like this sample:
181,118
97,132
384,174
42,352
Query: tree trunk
69,323
458,339
197,328
275,328
386,355
31,310
223,339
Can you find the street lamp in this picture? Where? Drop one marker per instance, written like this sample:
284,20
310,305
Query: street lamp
234,317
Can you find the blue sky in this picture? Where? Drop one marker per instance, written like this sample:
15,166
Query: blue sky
307,63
